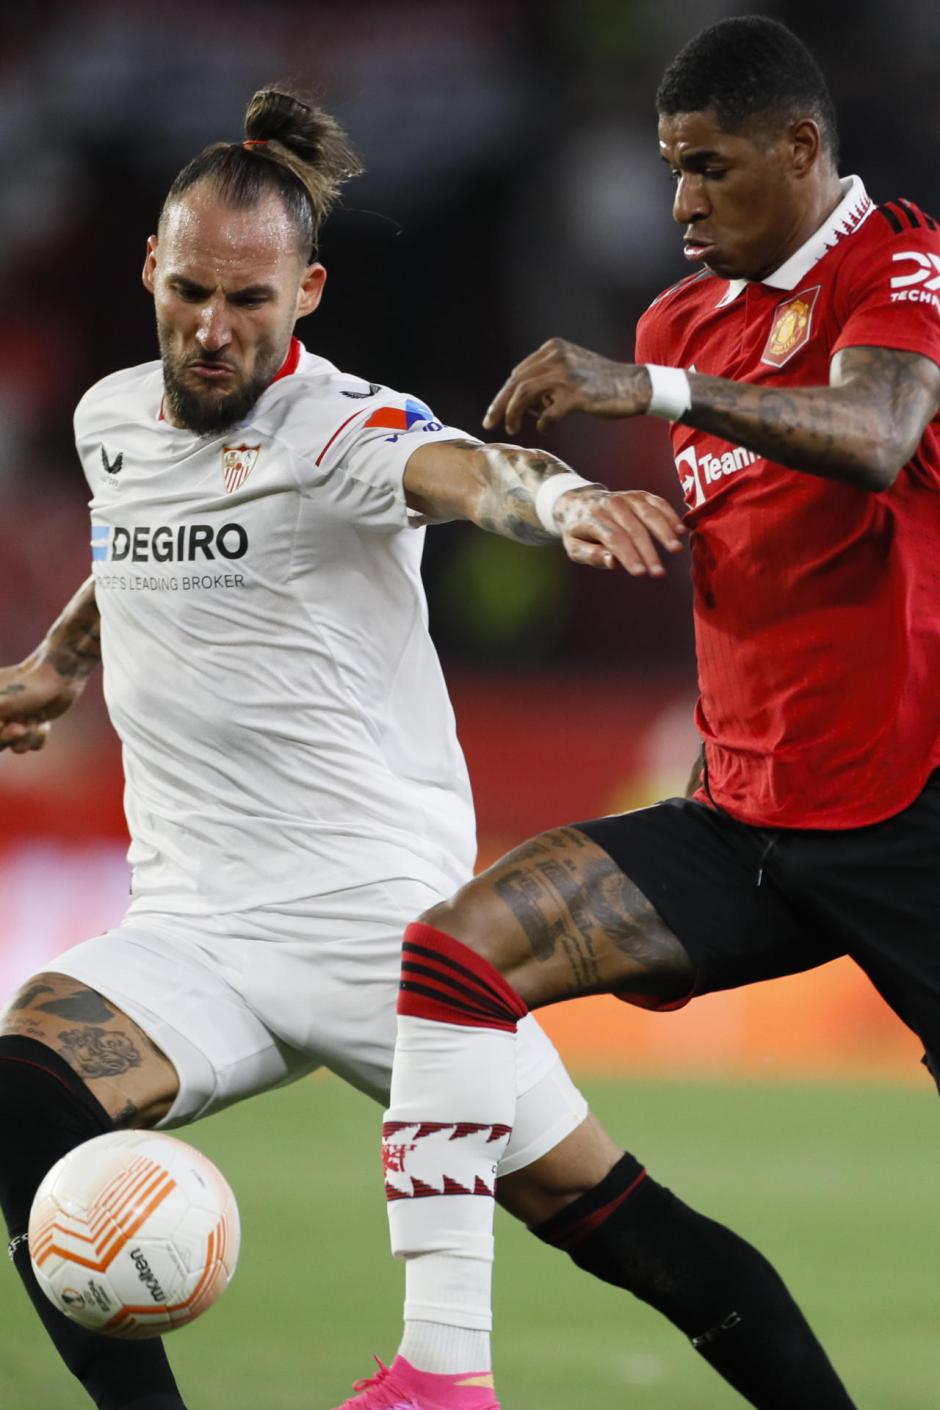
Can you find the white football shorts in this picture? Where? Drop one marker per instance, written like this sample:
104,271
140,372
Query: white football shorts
241,1003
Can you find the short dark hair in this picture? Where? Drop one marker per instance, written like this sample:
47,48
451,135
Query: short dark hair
291,147
745,68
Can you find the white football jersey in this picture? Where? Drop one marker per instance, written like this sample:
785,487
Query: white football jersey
285,725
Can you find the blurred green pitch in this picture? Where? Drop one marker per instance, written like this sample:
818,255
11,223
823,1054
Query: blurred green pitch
838,1186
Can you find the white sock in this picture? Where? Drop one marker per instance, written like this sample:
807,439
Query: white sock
451,1111
444,1350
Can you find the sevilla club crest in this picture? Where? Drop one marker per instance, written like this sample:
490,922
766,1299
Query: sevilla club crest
791,328
237,464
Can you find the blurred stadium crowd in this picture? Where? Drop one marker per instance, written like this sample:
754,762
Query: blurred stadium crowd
512,192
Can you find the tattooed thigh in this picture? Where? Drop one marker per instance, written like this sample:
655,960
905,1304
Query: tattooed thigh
588,928
127,1073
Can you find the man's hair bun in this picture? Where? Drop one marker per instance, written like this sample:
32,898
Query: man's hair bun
310,134
292,146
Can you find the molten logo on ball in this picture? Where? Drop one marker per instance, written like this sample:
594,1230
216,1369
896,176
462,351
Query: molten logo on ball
134,1234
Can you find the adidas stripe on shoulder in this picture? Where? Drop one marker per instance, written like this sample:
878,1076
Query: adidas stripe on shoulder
902,214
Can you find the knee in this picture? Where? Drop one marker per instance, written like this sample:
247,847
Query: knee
580,1163
469,917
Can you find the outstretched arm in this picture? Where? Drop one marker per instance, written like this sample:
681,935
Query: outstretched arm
860,429
52,677
497,487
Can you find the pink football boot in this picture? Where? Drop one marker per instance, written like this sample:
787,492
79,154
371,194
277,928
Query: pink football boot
402,1387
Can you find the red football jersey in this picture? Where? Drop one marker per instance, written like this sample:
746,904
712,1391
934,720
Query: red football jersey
817,605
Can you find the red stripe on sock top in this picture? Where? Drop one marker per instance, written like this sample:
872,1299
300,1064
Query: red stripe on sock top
447,982
579,1231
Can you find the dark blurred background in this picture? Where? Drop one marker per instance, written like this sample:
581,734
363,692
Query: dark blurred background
513,191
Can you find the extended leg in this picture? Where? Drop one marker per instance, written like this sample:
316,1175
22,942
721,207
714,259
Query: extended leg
544,917
558,919
72,1067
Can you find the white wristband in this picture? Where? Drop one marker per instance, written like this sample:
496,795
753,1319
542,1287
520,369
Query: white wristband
672,394
551,490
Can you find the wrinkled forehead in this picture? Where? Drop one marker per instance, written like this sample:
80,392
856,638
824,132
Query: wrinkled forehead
198,229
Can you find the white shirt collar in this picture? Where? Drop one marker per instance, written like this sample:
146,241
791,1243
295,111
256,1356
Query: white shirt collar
854,208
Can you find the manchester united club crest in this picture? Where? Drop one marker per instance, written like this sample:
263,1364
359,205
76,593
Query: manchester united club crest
791,328
237,464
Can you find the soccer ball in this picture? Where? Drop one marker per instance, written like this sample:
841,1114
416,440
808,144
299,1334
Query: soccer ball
133,1234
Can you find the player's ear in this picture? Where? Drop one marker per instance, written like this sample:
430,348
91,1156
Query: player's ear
805,144
150,264
311,289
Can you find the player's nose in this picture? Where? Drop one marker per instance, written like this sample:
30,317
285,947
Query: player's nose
691,201
214,331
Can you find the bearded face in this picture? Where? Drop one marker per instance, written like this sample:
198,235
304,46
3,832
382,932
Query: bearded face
229,283
207,393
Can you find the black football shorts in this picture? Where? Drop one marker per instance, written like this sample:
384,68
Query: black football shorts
751,903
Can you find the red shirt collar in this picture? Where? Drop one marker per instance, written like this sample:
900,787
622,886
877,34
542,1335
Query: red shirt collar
290,362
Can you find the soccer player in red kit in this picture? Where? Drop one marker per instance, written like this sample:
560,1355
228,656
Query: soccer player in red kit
799,365
281,840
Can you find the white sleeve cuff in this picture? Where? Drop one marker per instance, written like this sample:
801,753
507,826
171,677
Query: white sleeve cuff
672,394
551,490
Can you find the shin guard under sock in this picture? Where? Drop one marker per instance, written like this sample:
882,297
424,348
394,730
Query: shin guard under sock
450,1115
718,1289
45,1111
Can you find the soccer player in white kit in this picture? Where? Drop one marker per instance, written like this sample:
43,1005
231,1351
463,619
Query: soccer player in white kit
295,791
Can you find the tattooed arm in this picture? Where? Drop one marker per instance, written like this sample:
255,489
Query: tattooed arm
495,486
52,677
860,429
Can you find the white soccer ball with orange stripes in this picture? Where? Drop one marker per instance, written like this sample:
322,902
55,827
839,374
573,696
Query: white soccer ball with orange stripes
133,1234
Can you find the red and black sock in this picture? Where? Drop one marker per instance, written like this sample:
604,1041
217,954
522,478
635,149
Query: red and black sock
718,1289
